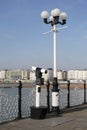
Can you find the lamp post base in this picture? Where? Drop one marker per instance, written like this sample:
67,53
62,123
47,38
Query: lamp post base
55,97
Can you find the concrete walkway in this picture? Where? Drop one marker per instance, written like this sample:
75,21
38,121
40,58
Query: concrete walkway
76,120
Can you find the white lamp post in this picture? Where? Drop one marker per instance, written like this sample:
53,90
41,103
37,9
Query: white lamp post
54,19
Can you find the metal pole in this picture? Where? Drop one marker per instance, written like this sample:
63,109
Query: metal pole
19,100
55,57
68,95
55,90
84,91
48,97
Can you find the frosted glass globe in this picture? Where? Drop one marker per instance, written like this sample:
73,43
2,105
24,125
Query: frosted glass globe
51,18
63,16
44,15
55,12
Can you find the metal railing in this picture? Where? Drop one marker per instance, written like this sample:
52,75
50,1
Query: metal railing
15,102
74,94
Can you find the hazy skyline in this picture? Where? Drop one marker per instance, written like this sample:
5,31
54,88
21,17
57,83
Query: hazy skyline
22,43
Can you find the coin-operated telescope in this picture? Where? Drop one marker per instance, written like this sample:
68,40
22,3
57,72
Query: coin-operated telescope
37,111
38,74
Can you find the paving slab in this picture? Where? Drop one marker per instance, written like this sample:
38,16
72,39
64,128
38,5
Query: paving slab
57,121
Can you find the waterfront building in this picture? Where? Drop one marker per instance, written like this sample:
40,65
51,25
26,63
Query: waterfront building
32,75
77,75
17,74
2,74
26,75
61,75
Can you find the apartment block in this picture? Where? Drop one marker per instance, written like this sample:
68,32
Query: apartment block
77,75
2,74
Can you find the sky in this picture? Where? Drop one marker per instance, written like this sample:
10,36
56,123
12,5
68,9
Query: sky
23,45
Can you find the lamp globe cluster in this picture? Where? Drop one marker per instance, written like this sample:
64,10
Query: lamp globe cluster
54,17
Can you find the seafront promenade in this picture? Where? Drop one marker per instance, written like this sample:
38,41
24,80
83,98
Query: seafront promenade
75,119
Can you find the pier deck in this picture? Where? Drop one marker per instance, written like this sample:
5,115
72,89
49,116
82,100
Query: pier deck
74,120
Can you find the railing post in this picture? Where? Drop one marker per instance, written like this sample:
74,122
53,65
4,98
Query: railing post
19,100
84,92
48,96
68,95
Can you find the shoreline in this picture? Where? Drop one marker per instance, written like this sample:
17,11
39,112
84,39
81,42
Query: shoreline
31,85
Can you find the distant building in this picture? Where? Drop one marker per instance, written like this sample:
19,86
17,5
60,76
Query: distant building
61,75
2,74
17,74
77,75
26,75
32,75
